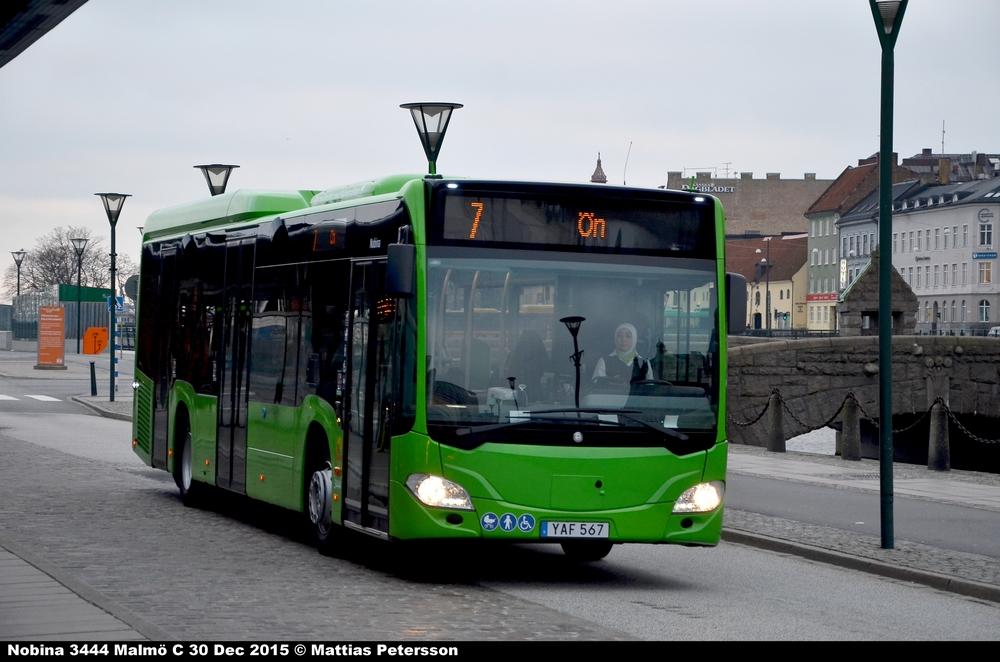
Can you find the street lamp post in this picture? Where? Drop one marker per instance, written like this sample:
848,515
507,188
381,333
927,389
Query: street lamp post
79,245
113,203
431,120
573,325
18,259
217,176
766,262
888,15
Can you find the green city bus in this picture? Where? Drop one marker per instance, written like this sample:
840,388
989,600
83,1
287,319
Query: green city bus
416,357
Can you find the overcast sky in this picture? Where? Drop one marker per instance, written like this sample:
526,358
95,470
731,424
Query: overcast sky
128,95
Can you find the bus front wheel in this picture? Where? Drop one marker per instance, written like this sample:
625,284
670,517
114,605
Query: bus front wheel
586,550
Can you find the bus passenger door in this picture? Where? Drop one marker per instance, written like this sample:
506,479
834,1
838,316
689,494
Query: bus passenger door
163,379
369,403
237,313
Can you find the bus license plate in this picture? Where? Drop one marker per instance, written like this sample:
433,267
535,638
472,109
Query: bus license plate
574,530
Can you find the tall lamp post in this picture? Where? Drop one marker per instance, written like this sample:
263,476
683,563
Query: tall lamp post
431,120
113,203
573,324
766,268
79,245
888,15
18,259
217,176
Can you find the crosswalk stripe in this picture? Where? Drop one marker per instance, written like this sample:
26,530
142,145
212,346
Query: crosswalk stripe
43,398
7,397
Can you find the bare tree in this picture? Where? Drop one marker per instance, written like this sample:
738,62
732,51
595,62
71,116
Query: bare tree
125,268
53,261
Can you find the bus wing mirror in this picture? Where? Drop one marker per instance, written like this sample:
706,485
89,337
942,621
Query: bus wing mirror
399,274
736,303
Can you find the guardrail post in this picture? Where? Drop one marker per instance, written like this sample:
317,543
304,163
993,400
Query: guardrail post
851,446
775,425
93,380
938,447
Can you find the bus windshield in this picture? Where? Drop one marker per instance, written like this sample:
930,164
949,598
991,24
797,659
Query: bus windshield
501,362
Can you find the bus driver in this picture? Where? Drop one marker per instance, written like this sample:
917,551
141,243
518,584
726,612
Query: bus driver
623,365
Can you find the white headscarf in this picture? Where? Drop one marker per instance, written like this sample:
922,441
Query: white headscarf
626,356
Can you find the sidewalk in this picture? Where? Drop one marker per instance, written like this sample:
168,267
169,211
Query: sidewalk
959,572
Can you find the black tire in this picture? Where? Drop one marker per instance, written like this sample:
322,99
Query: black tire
322,530
586,551
192,492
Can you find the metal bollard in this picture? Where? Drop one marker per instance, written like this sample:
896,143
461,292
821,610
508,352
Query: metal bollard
851,445
93,380
938,448
775,425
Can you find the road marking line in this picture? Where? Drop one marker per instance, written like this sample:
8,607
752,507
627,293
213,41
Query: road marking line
7,397
43,398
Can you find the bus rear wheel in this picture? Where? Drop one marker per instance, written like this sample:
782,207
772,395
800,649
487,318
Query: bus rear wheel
191,490
586,550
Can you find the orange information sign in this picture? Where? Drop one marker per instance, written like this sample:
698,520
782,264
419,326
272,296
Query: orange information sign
95,339
51,338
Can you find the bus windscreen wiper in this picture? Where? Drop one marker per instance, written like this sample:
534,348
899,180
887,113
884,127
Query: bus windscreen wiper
461,432
624,413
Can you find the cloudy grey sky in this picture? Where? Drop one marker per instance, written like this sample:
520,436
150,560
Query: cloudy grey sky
127,95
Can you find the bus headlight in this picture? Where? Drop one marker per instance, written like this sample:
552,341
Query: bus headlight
439,492
702,498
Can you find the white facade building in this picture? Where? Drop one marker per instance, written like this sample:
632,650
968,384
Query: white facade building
944,245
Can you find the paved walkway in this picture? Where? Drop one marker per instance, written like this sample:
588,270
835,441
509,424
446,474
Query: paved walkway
36,602
35,605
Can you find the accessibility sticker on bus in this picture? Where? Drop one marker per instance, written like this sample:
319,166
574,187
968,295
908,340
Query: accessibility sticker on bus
489,521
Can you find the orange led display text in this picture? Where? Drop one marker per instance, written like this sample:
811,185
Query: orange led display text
478,206
319,244
589,225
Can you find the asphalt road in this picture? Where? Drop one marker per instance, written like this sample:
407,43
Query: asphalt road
75,494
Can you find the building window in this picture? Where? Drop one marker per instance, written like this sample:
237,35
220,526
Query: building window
954,275
947,234
911,241
844,250
984,310
920,278
937,239
920,240
781,294
944,311
985,234
937,268
927,311
865,241
953,311
965,236
909,276
963,310
954,236
893,242
944,276
986,273
756,299
965,279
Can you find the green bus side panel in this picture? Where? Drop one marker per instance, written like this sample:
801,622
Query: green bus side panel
142,417
273,441
276,438
202,410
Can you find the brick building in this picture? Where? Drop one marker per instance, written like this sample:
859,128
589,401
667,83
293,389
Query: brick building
764,206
